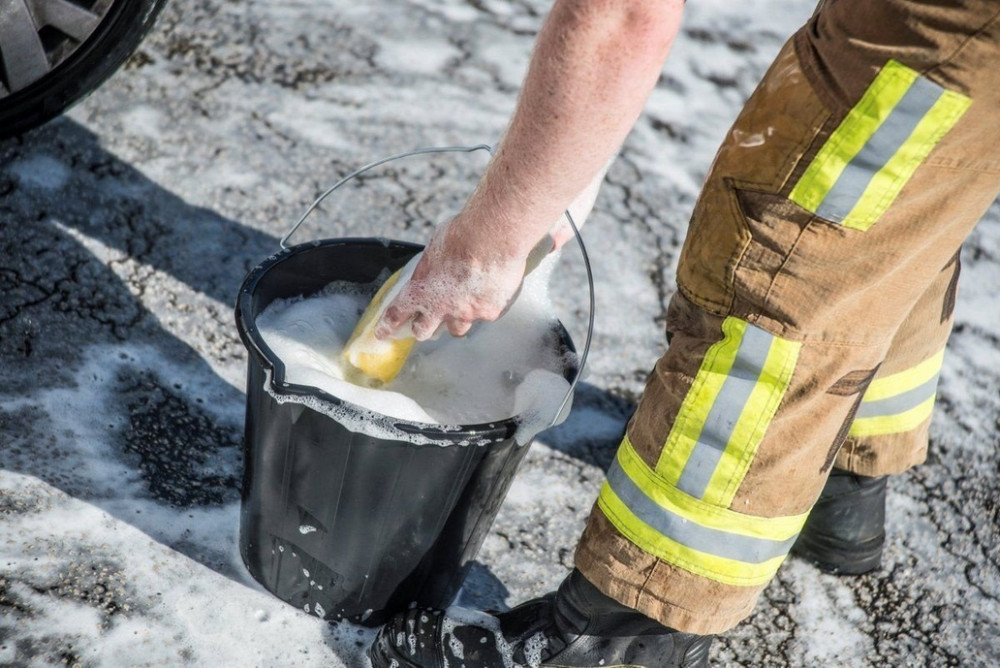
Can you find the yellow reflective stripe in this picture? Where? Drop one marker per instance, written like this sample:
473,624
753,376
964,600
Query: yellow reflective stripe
719,569
707,538
887,183
878,101
698,402
899,402
867,161
898,383
726,412
700,512
893,424
754,421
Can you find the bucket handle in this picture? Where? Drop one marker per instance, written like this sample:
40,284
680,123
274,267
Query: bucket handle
470,149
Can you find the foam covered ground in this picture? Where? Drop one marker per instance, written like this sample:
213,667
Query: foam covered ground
127,226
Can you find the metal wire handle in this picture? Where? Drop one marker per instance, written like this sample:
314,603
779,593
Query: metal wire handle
470,149
372,165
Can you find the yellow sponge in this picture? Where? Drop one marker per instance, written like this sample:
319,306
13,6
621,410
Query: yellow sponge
383,360
378,359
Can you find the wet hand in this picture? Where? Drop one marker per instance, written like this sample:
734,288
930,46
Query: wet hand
462,278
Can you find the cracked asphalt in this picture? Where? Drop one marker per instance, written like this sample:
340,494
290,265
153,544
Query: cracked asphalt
128,225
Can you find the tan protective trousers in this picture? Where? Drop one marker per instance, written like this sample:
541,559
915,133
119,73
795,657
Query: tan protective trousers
816,289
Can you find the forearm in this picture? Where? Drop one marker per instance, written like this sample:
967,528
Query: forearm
595,63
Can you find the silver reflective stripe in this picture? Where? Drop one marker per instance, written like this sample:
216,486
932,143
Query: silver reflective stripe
726,411
711,541
879,149
899,403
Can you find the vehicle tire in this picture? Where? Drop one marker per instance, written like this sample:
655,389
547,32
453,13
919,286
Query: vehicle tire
44,70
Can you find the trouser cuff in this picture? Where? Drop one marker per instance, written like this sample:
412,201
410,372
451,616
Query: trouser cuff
672,596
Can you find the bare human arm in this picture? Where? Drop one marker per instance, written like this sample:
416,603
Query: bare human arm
594,65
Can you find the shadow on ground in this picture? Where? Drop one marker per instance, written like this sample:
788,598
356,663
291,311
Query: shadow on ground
85,241
106,279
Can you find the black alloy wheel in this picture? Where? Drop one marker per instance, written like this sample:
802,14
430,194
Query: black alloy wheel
55,52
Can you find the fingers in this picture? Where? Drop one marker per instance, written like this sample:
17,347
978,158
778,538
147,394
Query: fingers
391,320
459,327
424,326
423,323
450,297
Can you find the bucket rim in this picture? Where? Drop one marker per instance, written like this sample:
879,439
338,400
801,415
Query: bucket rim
496,430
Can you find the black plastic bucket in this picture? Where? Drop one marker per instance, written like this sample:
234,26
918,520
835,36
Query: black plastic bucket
340,523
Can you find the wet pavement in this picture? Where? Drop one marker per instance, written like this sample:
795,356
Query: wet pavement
127,226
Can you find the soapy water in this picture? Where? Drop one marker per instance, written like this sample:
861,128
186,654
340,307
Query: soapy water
512,367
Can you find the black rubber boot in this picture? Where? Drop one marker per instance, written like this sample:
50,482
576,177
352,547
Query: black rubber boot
845,532
577,626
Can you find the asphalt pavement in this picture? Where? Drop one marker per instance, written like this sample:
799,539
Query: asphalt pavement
128,225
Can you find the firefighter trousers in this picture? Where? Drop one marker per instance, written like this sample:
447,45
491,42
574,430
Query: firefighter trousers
815,295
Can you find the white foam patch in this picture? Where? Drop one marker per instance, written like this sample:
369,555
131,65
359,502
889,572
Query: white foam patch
42,171
829,617
508,368
457,12
186,324
173,607
86,416
315,121
533,648
418,56
145,120
540,401
457,616
535,487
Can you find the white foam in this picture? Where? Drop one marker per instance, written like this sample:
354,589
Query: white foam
42,171
533,648
540,401
456,616
512,367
